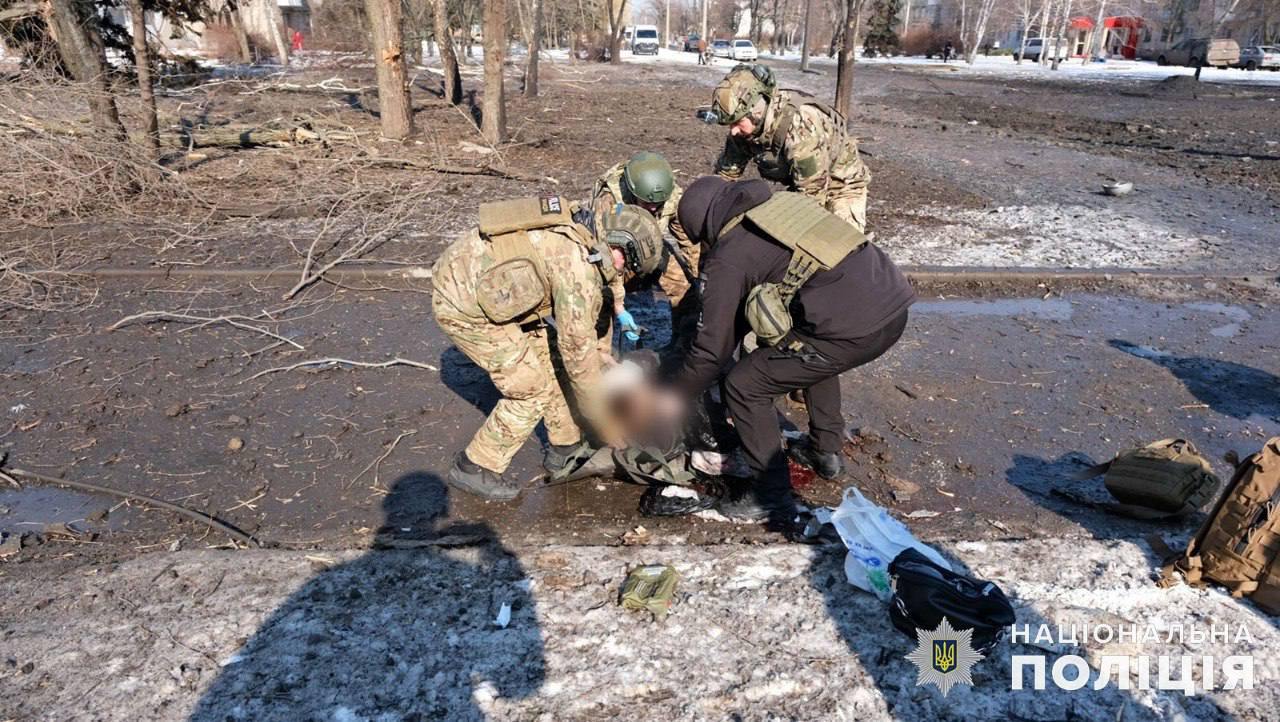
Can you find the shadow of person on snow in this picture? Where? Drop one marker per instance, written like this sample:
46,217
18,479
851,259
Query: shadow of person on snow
406,634
1228,388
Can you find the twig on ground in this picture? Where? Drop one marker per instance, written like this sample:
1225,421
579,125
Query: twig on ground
241,322
378,461
362,364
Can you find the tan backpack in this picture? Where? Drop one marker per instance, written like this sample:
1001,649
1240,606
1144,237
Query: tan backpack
1163,479
1239,546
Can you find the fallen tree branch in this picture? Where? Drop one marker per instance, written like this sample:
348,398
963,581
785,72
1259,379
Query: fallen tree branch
335,361
457,169
201,517
236,321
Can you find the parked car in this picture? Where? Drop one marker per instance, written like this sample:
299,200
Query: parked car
744,50
1260,56
1219,53
1042,46
645,40
691,43
721,49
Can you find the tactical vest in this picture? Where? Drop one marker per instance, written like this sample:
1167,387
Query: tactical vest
1239,544
818,241
515,289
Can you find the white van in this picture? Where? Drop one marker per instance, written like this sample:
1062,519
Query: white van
1042,46
645,40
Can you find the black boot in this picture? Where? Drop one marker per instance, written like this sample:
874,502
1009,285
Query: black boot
803,452
748,502
468,476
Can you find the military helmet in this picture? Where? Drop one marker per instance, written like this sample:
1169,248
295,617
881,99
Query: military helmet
633,231
648,177
737,94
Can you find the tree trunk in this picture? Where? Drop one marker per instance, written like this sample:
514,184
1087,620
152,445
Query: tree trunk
1099,34
844,65
615,34
494,118
81,48
394,105
237,28
448,57
1061,37
275,19
142,63
535,48
804,35
979,30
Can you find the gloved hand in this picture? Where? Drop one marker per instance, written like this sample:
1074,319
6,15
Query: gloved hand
627,323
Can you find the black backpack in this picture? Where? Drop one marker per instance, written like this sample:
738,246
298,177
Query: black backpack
923,593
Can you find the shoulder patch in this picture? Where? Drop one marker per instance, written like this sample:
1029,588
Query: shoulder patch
550,205
806,166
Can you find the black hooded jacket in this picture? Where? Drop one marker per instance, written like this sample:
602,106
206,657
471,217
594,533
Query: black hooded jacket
858,297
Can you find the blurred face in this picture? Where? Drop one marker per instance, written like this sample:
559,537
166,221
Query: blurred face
619,260
653,208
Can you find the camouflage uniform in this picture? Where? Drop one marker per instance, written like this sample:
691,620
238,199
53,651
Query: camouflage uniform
805,146
673,281
518,359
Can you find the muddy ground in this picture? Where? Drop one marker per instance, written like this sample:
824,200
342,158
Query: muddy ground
999,389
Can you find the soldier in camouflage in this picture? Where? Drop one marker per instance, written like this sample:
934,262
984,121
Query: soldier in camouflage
518,356
646,181
794,140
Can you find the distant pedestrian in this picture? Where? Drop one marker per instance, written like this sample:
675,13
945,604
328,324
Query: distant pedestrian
702,51
948,52
296,40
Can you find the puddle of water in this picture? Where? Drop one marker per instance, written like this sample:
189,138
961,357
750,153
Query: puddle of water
31,508
1055,309
1227,331
1235,313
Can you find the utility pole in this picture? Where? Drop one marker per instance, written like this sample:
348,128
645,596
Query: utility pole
704,23
804,37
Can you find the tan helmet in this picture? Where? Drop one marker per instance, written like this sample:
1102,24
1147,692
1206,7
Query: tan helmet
738,93
635,232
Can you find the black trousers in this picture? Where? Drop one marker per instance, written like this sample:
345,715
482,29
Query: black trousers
768,373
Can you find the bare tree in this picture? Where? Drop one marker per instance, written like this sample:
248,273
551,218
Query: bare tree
494,119
75,28
1060,37
395,107
615,32
1029,15
804,35
535,48
979,30
844,65
448,57
276,21
142,64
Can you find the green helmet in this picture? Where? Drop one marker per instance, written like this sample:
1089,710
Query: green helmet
648,177
636,234
738,93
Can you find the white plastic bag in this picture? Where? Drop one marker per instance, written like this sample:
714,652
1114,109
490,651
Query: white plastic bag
873,538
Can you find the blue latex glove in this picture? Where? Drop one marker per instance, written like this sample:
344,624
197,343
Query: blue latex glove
627,323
